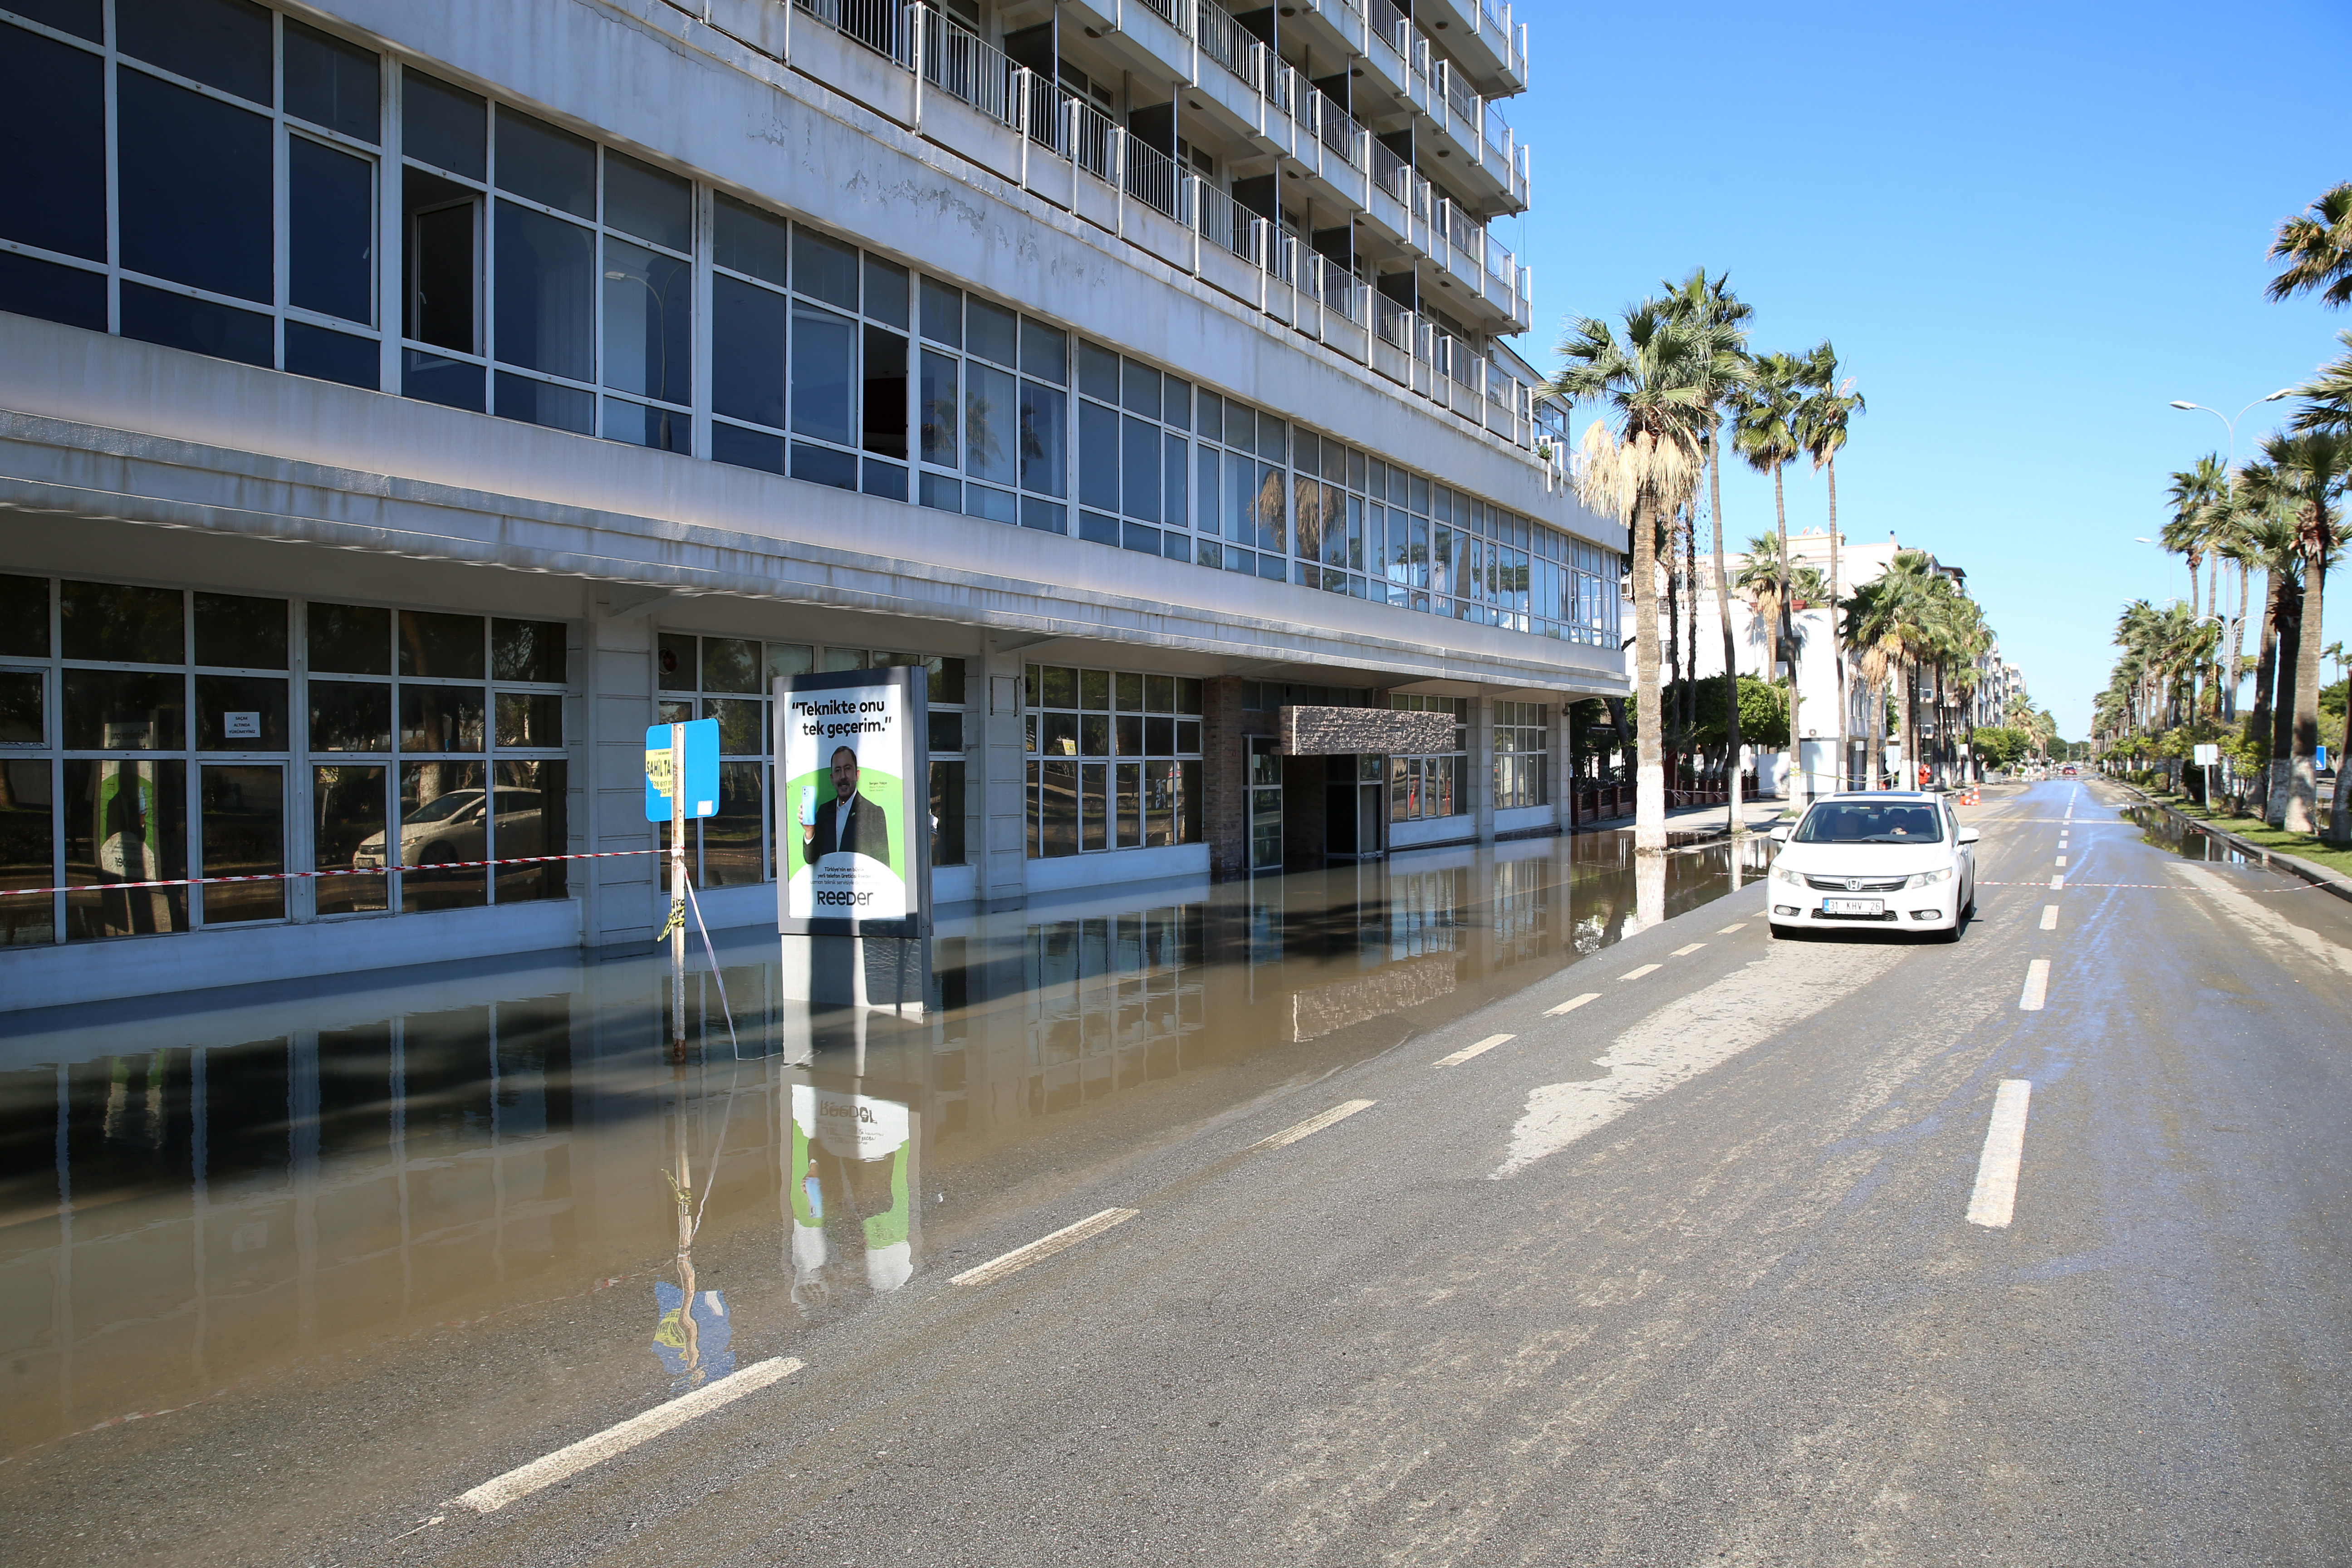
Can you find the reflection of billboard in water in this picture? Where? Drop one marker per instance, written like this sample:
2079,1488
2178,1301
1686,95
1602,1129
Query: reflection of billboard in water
851,1181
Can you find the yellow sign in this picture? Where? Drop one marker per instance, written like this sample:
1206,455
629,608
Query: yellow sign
657,774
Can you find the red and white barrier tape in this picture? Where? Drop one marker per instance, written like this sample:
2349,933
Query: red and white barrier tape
346,871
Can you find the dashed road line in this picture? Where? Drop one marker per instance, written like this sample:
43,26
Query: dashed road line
2057,884
2061,860
1571,1004
1045,1246
548,1469
2037,986
1313,1124
1994,1201
2049,917
1637,974
1728,930
1687,951
1466,1052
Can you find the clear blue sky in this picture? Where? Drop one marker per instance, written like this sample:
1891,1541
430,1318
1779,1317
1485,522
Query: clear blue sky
2026,229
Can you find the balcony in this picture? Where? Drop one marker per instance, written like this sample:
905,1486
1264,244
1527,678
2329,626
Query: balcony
1477,150
920,68
1481,37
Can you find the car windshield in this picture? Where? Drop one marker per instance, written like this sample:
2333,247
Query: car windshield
443,806
1867,822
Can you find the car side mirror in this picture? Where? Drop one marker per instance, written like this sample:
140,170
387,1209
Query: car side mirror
1970,835
1781,835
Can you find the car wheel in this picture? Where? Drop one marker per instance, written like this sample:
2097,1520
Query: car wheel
436,855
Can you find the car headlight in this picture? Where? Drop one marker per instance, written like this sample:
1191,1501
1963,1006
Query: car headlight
1929,879
1786,874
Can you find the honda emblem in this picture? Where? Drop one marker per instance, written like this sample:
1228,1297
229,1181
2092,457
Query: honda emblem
1854,884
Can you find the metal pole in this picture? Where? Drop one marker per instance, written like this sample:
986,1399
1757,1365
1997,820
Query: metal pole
677,893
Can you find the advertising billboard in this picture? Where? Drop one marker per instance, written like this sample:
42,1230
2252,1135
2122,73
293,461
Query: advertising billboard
853,803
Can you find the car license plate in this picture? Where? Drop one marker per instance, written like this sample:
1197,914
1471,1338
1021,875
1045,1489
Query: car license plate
1854,906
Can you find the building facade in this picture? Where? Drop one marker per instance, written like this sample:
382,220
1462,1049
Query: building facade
403,403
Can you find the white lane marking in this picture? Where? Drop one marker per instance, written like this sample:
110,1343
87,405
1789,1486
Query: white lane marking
1466,1052
2061,860
521,1482
1728,930
1045,1246
1691,1035
1290,1135
2057,884
2037,986
1687,951
1571,1004
1637,974
1995,1198
2049,917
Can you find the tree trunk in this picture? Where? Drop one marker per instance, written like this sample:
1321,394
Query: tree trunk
1734,822
2302,786
1690,599
1649,778
1674,637
1789,641
2283,701
1844,764
2238,639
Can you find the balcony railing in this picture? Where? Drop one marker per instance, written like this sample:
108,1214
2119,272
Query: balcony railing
879,25
1336,128
1229,43
1383,18
1154,178
1391,173
1092,141
1225,222
1172,11
1393,322
965,66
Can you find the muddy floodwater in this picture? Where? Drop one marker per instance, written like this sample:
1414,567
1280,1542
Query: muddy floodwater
210,1203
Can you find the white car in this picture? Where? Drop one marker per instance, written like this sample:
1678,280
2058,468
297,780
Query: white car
1895,858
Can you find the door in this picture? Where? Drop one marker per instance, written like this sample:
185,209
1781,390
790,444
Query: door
1265,786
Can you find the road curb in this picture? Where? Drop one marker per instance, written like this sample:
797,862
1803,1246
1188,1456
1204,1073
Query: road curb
2318,875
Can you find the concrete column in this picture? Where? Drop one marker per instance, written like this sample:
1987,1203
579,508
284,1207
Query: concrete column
1225,785
621,895
1000,850
1556,771
1481,767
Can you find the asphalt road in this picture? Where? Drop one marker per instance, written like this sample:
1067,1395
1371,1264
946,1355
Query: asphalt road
1682,1275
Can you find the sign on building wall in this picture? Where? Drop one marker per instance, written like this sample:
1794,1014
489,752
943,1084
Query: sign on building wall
853,828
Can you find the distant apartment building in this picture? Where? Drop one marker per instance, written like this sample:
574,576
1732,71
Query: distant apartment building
1828,678
404,403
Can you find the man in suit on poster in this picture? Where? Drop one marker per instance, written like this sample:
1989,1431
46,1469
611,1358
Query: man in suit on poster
848,822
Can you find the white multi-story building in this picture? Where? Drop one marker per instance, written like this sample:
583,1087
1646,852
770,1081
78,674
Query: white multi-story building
403,403
1827,675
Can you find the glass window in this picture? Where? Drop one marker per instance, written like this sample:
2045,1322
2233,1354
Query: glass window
243,831
445,820
221,43
527,650
824,361
991,332
126,820
544,296
440,717
885,394
648,322
240,633
443,125
942,314
651,204
121,624
886,292
347,834
754,243
240,713
440,647
194,178
1077,805
991,444
331,83
52,99
747,352
350,640
544,163
350,716
824,269
331,230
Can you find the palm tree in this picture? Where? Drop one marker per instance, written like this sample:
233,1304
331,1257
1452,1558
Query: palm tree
1710,306
1892,623
2317,245
2199,500
1654,379
1763,431
2311,466
1821,427
2267,539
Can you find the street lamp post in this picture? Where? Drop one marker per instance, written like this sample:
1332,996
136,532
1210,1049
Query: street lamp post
2230,423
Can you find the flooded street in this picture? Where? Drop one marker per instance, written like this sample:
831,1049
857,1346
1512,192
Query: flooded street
381,1202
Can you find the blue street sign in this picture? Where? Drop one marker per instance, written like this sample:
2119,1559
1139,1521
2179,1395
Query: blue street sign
701,770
